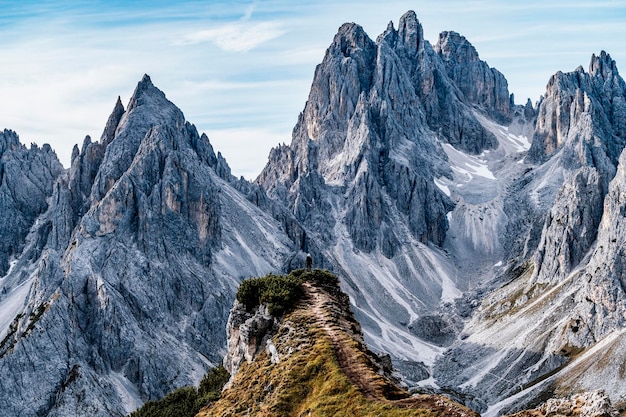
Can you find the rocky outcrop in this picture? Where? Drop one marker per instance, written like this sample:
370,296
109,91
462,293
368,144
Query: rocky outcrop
247,334
588,404
27,179
314,358
481,85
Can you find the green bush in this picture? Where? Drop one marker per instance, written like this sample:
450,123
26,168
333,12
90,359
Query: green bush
321,277
187,401
213,382
279,292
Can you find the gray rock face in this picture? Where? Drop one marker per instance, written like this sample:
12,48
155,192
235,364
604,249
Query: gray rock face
588,404
571,226
483,86
349,113
247,334
27,178
582,117
448,111
122,291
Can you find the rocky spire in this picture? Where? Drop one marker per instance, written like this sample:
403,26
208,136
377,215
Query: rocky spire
483,86
112,122
411,33
147,109
579,107
448,112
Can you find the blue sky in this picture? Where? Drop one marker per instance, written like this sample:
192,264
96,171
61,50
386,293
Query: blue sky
241,70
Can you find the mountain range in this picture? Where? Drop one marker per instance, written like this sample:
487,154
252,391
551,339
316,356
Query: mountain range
481,242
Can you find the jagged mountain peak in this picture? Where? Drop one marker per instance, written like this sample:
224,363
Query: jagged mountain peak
411,32
452,45
148,113
602,64
114,119
577,108
9,140
353,33
148,97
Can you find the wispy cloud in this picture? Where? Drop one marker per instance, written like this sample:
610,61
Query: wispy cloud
65,62
238,36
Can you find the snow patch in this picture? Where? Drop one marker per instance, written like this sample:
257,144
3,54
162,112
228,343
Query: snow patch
442,187
512,139
428,383
12,264
467,166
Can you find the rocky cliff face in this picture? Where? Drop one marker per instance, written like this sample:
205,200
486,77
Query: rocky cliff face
247,334
367,172
27,179
481,85
125,283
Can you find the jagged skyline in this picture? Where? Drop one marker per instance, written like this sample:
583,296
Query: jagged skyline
241,71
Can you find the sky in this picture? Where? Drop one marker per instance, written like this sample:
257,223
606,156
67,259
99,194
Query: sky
241,70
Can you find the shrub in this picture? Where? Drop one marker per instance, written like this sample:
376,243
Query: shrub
187,401
212,383
182,403
279,292
321,277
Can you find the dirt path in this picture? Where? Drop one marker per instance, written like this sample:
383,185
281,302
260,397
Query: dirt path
355,371
354,362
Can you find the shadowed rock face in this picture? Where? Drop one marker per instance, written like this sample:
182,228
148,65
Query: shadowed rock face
27,179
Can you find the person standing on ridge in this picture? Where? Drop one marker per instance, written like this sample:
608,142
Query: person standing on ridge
309,262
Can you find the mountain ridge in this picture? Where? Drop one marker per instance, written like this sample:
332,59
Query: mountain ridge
313,360
470,252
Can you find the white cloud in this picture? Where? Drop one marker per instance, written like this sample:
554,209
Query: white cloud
239,36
